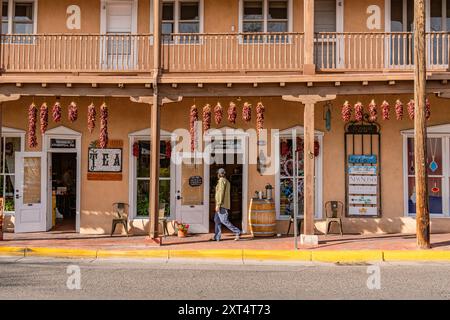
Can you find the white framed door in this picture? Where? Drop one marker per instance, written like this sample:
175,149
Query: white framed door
192,192
118,24
30,193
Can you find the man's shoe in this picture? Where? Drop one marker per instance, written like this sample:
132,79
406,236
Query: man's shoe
236,238
214,239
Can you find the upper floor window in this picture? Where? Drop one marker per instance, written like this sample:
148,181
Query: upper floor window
265,16
179,16
19,16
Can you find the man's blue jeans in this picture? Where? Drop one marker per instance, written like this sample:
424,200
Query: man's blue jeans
221,218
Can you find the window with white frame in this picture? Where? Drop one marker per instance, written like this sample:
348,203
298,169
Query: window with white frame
10,144
141,152
438,164
180,16
285,176
19,16
265,16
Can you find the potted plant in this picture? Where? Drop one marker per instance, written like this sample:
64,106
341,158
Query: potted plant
182,229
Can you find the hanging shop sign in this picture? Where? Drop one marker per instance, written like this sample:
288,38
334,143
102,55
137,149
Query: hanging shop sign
223,145
195,181
352,189
63,143
368,159
105,160
362,161
360,170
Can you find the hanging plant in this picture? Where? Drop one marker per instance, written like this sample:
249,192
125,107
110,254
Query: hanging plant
232,113
411,107
32,118
43,117
73,112
399,110
218,113
56,112
373,111
359,111
103,126
206,118
91,117
259,117
346,111
385,109
193,117
247,112
136,149
168,149
316,148
427,109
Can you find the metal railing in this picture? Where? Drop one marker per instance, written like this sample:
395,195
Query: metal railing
377,51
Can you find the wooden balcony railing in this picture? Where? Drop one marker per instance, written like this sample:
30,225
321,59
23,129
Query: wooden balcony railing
362,52
76,53
232,52
216,53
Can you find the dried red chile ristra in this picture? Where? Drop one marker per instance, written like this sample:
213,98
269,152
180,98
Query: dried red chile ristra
359,111
73,112
259,117
385,110
399,110
43,117
373,113
206,118
411,107
103,126
232,113
56,112
32,118
247,112
92,114
218,113
193,117
427,109
346,112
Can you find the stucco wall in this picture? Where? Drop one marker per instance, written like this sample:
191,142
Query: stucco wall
125,117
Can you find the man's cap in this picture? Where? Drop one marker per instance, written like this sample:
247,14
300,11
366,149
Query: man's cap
221,171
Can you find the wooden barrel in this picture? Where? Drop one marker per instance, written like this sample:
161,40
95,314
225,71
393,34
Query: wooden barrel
262,218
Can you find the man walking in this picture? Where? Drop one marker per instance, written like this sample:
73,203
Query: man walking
223,207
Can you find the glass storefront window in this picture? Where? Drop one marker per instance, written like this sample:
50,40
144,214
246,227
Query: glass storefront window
143,177
9,145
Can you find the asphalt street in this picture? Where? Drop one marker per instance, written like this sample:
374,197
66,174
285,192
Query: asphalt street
44,278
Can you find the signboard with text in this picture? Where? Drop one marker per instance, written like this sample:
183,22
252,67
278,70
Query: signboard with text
105,160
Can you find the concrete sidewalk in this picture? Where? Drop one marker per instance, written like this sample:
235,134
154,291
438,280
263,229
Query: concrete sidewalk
332,248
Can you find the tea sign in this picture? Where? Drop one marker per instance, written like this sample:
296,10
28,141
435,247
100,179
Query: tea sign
105,160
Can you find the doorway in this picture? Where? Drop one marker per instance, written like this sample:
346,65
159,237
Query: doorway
63,172
233,165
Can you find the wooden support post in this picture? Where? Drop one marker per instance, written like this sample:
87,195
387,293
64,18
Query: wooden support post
154,167
308,237
420,130
309,67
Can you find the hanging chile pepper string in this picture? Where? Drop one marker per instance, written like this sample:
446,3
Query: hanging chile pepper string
103,126
91,117
206,118
385,109
43,116
398,110
232,113
373,111
32,118
359,111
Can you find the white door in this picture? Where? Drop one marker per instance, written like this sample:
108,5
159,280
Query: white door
191,195
119,49
30,193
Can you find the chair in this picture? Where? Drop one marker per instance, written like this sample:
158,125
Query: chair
120,208
162,219
300,218
333,213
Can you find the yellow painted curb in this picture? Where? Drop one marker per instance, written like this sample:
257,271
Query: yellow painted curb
162,254
282,255
206,254
12,251
347,256
61,253
416,255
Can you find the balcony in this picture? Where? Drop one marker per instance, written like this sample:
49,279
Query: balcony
218,54
377,52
